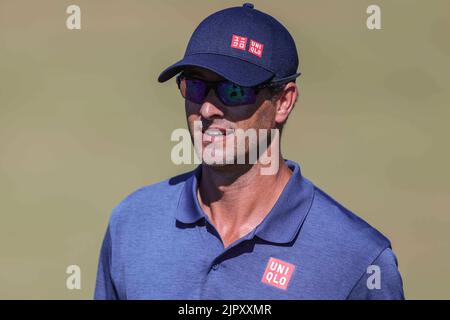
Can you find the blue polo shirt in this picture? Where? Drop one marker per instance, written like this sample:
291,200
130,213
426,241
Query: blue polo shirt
159,244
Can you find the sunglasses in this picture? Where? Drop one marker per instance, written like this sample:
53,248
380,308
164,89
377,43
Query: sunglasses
229,93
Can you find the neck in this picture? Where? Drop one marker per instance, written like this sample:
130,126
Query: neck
236,198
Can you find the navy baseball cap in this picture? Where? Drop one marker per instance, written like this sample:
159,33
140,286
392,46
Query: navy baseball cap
243,45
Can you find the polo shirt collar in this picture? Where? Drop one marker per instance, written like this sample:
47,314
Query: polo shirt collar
189,210
282,223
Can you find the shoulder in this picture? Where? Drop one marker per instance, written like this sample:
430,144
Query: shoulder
342,247
341,244
150,203
343,227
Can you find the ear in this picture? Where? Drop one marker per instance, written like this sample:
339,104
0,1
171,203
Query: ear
285,102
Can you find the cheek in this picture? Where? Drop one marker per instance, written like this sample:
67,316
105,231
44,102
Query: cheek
249,116
192,112
191,108
263,118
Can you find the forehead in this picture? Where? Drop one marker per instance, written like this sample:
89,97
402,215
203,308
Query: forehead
202,73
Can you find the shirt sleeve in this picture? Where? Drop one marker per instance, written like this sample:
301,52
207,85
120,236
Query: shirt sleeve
381,281
104,287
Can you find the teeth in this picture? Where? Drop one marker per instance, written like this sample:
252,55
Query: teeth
213,132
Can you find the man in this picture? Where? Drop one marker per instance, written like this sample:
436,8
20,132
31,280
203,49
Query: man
229,229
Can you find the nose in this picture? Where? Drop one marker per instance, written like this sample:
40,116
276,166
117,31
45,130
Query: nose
209,107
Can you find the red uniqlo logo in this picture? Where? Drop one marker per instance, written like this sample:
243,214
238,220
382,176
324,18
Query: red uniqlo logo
238,42
278,273
256,48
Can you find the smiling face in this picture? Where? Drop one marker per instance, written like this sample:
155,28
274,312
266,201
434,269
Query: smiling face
220,123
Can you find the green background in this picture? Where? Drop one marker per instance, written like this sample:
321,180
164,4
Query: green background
83,122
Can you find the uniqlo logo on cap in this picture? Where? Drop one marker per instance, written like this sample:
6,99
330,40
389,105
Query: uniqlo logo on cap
238,42
256,48
278,273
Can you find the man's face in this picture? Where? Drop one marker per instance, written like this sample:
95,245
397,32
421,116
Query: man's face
214,116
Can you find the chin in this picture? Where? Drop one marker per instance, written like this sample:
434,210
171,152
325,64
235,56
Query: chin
216,165
222,163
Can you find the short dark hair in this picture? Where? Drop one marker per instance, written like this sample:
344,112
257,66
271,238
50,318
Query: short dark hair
276,89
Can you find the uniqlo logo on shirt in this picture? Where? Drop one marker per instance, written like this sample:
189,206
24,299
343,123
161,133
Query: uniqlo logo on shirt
256,48
278,273
238,42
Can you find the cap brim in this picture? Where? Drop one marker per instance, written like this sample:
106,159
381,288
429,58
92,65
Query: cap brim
233,69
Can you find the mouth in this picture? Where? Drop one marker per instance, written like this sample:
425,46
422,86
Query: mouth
214,133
